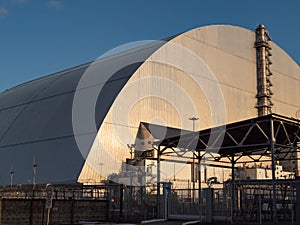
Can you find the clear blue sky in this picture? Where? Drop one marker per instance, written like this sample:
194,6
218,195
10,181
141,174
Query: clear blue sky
39,37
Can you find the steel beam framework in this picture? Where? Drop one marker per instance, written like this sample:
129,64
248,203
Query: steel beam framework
273,135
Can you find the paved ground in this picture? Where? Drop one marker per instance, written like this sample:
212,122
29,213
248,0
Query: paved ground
172,222
146,223
167,223
181,222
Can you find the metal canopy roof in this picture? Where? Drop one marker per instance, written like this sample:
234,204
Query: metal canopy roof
241,138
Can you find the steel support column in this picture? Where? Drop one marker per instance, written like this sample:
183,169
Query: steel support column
193,178
272,146
158,181
199,186
233,187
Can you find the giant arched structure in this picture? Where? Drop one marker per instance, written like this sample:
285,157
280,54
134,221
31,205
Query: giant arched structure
209,72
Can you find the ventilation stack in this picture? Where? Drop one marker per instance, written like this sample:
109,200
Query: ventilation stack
263,62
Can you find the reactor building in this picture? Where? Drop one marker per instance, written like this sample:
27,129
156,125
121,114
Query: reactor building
81,124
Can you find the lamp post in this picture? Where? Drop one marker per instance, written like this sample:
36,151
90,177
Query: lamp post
193,119
11,176
34,172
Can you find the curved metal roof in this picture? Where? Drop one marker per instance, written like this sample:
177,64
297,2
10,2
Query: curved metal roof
36,119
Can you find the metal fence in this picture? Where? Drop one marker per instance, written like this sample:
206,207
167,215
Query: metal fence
244,201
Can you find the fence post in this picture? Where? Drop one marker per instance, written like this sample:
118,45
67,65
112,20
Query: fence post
297,187
209,205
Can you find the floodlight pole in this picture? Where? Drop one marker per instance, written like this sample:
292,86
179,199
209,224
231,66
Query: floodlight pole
193,163
194,119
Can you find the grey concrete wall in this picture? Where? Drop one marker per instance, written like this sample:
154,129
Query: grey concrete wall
33,212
